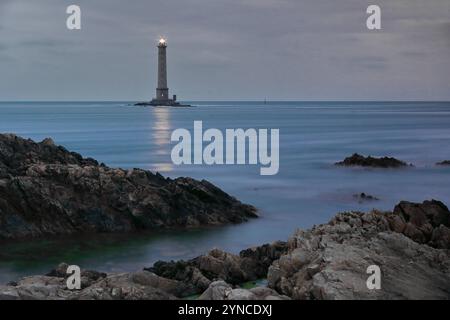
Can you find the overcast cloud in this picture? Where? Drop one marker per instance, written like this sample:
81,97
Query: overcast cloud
226,50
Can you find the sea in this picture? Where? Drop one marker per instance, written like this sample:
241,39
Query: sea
308,189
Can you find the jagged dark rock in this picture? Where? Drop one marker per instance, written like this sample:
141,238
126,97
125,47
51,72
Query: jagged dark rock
361,161
251,264
427,222
444,163
47,190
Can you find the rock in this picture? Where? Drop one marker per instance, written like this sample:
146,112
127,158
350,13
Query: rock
411,212
440,237
263,293
444,163
359,160
412,232
332,259
241,294
48,142
257,260
220,290
173,287
126,286
251,264
88,277
221,265
420,221
60,271
361,197
397,223
47,190
183,271
36,288
9,293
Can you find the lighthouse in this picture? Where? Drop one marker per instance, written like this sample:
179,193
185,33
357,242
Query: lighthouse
162,90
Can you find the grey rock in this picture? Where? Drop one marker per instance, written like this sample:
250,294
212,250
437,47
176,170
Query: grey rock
217,290
9,293
441,237
173,287
127,286
339,253
220,290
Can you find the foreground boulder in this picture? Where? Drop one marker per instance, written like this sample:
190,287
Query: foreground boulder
361,161
47,190
330,261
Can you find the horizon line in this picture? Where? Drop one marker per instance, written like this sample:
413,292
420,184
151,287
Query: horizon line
213,100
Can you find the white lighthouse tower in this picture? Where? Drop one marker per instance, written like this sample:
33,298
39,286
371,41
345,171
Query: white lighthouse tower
162,91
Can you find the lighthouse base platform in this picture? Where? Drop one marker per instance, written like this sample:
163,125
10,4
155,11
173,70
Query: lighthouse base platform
162,103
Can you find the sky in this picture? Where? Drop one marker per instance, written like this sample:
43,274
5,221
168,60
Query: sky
225,50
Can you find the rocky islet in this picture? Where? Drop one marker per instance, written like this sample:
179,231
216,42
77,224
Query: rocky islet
47,190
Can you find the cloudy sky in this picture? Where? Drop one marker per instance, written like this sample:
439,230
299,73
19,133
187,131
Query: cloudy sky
226,50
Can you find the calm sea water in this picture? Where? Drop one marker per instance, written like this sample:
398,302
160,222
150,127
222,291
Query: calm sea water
308,189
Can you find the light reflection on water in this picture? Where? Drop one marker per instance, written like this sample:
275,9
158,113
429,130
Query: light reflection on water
161,136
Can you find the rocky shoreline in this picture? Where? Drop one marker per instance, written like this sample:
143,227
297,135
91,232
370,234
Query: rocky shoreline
47,190
411,246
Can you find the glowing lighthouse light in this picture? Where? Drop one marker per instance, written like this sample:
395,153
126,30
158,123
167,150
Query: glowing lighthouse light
162,90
